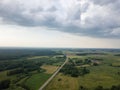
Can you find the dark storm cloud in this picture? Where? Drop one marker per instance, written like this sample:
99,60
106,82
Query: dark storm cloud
95,18
103,2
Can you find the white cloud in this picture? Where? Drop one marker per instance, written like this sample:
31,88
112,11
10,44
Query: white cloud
95,18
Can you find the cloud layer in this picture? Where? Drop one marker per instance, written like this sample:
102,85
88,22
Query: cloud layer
94,18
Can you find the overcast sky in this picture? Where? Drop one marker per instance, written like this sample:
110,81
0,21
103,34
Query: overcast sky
60,23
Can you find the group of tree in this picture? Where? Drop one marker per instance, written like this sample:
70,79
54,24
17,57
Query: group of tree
113,87
29,65
16,71
91,53
25,68
79,62
72,70
4,84
94,62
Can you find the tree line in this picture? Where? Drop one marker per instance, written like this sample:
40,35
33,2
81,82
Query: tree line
113,87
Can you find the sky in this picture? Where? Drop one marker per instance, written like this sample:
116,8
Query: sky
60,23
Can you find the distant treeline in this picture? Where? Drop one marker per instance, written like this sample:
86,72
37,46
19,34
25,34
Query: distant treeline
117,54
84,54
93,50
113,87
10,54
29,65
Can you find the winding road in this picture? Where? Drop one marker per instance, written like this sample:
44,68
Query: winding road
56,72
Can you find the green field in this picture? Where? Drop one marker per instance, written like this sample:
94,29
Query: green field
66,83
35,81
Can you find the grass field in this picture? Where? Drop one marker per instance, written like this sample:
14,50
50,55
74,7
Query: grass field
35,81
66,83
116,64
3,75
101,75
50,69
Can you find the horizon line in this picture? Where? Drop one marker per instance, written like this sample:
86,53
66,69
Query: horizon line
54,47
